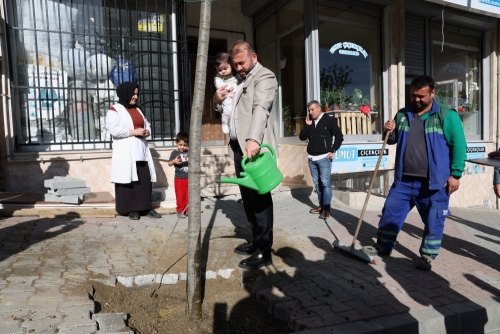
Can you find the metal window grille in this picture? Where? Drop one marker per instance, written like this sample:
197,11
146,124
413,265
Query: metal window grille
68,56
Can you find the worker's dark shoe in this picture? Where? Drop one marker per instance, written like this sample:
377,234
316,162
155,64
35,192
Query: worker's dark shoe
425,262
134,215
153,214
376,249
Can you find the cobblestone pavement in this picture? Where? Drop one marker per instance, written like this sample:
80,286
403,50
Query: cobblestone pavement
46,263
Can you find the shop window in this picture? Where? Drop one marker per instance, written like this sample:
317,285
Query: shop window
265,32
350,73
292,82
68,56
457,72
285,29
292,69
291,15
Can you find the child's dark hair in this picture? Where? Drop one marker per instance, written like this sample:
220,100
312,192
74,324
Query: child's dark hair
221,58
182,136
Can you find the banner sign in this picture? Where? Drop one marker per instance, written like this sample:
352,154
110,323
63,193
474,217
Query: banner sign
475,151
359,158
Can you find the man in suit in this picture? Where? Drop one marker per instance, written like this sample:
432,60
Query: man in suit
251,125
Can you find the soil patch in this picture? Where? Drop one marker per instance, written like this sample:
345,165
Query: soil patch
227,308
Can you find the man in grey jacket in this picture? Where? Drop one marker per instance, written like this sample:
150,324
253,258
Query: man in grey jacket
251,125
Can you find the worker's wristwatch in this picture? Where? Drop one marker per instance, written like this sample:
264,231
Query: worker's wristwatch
216,106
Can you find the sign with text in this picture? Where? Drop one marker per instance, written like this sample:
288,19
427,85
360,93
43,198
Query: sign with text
475,151
344,47
359,158
485,6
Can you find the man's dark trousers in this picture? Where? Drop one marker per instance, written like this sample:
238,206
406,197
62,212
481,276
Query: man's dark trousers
258,208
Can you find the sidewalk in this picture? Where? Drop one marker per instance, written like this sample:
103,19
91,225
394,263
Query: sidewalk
45,263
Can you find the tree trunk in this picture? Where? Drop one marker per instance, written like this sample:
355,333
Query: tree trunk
193,288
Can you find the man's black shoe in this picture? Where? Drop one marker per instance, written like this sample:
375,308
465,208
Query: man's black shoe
153,214
256,261
134,215
247,249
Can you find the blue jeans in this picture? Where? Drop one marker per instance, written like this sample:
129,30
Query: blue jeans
321,171
432,205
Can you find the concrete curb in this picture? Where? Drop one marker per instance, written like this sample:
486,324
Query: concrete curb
480,316
165,279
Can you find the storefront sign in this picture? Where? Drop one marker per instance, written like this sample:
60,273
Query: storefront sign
491,2
348,45
359,158
475,151
488,6
454,67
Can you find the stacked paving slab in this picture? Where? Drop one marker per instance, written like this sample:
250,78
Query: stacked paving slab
65,189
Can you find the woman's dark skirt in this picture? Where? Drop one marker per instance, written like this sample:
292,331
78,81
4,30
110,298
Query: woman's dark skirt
135,196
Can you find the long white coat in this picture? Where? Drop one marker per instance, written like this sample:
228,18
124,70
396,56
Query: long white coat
123,167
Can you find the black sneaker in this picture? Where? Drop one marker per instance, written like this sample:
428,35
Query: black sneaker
153,214
425,262
134,216
376,249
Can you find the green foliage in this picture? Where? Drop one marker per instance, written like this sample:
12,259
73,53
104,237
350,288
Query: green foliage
288,117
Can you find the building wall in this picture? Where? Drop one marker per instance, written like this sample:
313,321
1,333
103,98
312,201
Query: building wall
225,15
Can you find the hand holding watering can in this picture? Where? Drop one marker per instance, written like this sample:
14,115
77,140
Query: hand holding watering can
260,174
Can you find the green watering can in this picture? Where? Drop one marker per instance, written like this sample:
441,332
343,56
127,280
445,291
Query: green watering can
260,174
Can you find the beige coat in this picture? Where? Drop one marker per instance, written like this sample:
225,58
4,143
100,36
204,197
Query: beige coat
252,109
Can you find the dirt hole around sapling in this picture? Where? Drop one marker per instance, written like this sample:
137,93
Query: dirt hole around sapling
227,308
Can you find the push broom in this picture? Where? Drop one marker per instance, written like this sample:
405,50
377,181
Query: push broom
350,249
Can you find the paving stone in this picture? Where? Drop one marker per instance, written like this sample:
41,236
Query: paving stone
64,182
45,300
126,281
67,328
144,280
47,322
70,191
111,323
11,326
225,273
167,278
68,199
210,274
110,281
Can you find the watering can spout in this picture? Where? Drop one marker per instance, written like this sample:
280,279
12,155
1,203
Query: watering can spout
246,181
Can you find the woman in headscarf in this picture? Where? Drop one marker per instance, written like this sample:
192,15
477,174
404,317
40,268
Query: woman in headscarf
132,168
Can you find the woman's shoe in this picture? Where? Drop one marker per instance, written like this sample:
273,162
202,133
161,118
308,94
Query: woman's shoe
134,216
181,215
153,214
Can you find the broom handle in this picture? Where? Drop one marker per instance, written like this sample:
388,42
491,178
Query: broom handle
370,189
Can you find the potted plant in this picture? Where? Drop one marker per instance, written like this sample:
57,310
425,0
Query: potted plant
325,99
333,98
357,96
343,100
